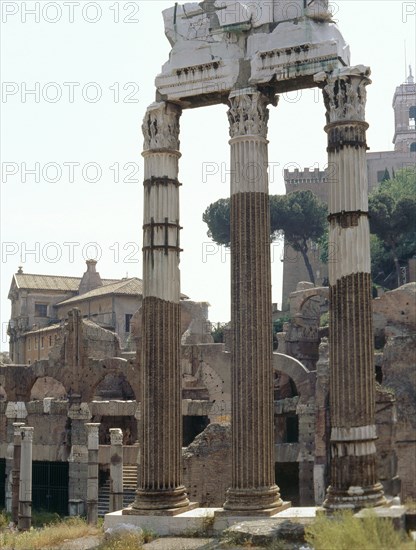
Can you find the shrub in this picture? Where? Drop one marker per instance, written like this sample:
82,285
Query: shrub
345,532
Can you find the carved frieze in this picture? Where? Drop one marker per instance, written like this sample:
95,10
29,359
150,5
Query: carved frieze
161,126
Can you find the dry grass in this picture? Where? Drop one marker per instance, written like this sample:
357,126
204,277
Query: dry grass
50,536
344,532
125,541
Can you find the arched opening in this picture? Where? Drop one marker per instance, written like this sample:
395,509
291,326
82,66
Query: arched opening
114,386
286,426
413,147
286,398
46,386
412,116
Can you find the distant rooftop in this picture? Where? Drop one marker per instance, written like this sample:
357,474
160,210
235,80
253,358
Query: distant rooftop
31,281
130,287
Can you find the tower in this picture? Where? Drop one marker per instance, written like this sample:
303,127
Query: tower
404,105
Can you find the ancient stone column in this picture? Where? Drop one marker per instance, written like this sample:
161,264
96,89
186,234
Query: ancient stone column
160,486
15,412
253,477
17,446
92,481
116,469
78,414
352,377
25,482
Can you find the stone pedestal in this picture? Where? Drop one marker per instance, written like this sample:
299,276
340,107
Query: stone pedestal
17,443
116,469
253,487
352,376
25,482
92,481
160,486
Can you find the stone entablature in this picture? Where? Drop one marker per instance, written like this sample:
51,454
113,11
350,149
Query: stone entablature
218,45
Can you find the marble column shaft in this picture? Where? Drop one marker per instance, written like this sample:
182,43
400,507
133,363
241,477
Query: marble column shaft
92,481
25,482
352,378
253,476
17,447
160,484
116,469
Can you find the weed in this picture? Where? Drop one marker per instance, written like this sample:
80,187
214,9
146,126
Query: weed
50,536
343,531
5,519
123,541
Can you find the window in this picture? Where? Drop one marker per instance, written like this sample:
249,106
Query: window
412,116
128,317
383,175
413,147
42,342
36,343
29,343
41,310
50,341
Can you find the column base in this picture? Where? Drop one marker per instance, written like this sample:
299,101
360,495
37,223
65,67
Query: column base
169,502
254,501
354,498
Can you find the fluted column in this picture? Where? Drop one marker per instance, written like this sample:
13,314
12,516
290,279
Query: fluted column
25,484
116,469
352,378
253,478
160,485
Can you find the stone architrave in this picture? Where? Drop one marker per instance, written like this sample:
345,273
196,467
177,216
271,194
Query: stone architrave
116,469
25,482
253,486
17,447
92,481
354,481
160,488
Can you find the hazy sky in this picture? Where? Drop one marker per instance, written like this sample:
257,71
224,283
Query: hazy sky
75,142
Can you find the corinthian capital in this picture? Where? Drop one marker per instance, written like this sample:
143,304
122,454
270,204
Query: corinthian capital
248,113
161,126
344,93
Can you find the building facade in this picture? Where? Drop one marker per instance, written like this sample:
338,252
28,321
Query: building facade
41,303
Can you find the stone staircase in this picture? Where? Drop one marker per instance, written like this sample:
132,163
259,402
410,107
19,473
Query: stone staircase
129,488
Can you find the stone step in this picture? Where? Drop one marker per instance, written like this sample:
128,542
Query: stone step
104,497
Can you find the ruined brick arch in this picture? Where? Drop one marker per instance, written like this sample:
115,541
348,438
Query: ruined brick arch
47,386
321,292
303,378
19,380
97,372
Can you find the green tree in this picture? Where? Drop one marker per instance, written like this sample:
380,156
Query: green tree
299,216
392,208
217,217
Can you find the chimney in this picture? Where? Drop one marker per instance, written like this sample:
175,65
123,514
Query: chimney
91,278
